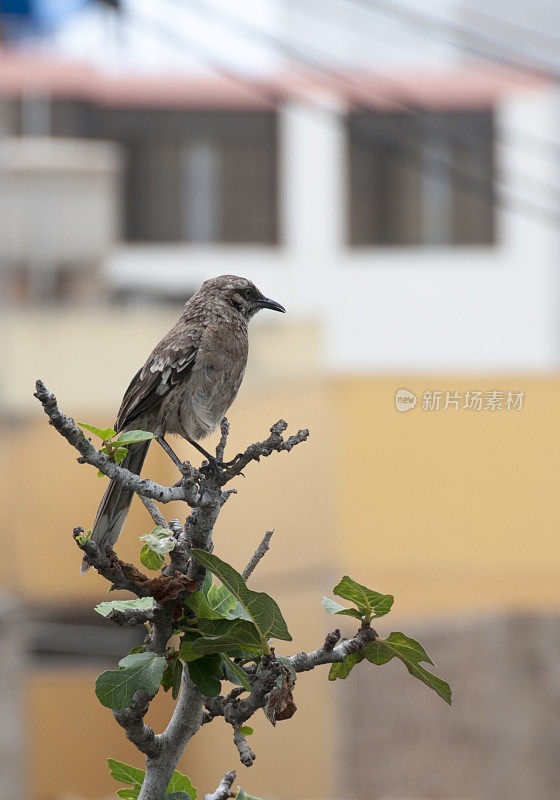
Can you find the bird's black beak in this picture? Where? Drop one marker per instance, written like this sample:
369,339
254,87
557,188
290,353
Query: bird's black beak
266,302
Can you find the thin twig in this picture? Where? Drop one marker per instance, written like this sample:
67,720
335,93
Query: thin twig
246,755
274,443
89,455
257,555
154,511
224,431
224,789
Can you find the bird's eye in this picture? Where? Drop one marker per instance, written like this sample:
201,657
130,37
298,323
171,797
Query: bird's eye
248,293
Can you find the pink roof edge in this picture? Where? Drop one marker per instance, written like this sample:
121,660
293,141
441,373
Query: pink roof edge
470,86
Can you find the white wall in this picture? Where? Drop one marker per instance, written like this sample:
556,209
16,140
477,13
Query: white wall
394,309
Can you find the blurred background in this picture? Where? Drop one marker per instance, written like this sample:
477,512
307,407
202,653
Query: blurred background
390,171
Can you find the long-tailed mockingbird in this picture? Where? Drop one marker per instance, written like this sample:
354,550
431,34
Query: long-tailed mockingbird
187,384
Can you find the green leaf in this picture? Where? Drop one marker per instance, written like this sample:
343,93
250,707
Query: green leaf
124,773
262,609
103,433
204,672
120,454
129,794
411,653
370,603
198,603
236,674
180,783
150,559
186,652
332,607
207,583
160,540
129,437
241,795
177,796
171,678
223,601
342,669
246,730
115,688
139,604
218,636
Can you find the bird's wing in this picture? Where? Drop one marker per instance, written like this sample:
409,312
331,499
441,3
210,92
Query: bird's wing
170,362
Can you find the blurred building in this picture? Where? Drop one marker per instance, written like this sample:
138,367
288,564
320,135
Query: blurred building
408,221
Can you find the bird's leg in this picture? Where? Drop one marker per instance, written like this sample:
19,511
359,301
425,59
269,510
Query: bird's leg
210,458
170,452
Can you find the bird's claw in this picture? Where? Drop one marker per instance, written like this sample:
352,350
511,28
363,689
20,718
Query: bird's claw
227,464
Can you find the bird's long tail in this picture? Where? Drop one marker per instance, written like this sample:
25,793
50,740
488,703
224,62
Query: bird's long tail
113,509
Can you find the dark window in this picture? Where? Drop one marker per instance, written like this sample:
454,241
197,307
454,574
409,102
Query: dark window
190,175
423,178
197,177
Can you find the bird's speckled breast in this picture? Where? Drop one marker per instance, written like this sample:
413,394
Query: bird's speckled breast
203,400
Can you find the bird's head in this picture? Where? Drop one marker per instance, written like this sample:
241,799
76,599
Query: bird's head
238,294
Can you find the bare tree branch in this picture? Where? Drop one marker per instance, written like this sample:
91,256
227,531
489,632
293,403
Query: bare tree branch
246,755
154,511
273,444
131,719
224,431
67,428
224,788
329,654
130,617
257,555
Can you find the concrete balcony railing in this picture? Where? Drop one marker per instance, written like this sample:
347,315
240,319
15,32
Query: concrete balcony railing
59,201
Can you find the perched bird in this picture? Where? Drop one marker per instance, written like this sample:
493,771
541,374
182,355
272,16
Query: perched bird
187,384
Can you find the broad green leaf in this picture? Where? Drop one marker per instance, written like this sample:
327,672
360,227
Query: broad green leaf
139,604
150,559
411,653
124,773
129,437
262,609
180,783
332,607
186,652
204,672
116,688
246,730
241,795
342,669
223,601
235,673
198,603
103,433
129,794
207,583
120,454
218,636
370,603
160,540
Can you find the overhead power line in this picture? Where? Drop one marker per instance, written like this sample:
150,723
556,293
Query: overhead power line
513,136
468,39
310,60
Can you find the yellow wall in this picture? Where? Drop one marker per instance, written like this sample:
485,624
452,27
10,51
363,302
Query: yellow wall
453,509
448,510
